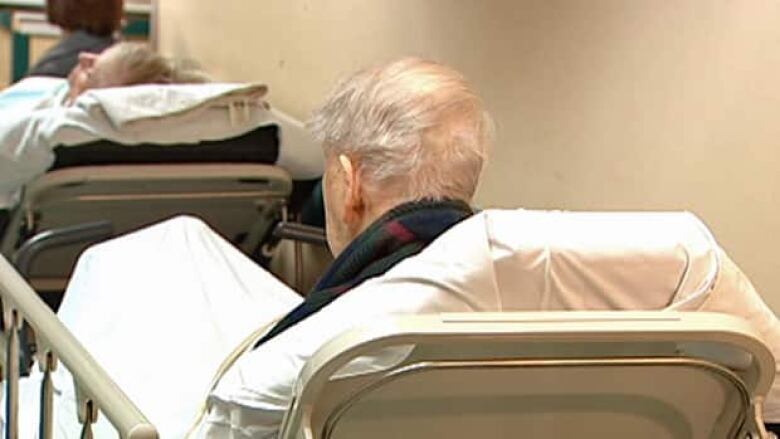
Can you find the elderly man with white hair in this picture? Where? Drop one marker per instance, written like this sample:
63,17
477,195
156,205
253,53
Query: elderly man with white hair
404,144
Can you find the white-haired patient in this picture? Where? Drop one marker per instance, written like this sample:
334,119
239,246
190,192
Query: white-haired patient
122,64
160,309
30,105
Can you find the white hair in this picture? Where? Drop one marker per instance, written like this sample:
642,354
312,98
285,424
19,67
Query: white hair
414,128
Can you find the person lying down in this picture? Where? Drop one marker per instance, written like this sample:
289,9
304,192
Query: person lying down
130,95
405,142
122,64
33,104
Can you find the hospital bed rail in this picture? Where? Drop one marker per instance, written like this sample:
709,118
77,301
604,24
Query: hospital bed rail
242,201
639,374
89,232
96,391
24,258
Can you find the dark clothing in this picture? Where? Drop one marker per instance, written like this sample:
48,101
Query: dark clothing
260,145
5,216
313,208
400,233
63,57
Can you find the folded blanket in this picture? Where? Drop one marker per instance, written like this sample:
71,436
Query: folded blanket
127,105
159,114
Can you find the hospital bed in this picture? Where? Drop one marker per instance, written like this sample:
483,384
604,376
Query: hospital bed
668,374
242,201
129,171
587,374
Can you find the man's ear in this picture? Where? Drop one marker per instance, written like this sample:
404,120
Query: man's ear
87,59
354,202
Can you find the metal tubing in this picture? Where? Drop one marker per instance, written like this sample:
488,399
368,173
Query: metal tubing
301,233
82,233
89,418
46,425
12,377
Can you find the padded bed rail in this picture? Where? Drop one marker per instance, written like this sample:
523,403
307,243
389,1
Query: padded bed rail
554,374
241,201
96,391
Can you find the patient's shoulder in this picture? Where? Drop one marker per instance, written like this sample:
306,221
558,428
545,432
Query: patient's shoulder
32,93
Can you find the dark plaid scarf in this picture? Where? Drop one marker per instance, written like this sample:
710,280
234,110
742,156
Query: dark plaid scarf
402,232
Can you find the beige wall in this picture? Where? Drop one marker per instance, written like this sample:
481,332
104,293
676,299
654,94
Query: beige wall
600,104
39,45
5,58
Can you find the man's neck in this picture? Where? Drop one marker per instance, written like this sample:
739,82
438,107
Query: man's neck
376,210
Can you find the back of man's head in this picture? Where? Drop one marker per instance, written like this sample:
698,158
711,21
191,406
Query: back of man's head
414,128
137,63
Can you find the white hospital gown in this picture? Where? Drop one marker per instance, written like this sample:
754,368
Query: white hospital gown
19,163
503,260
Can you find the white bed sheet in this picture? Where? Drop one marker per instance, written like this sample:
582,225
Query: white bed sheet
161,324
